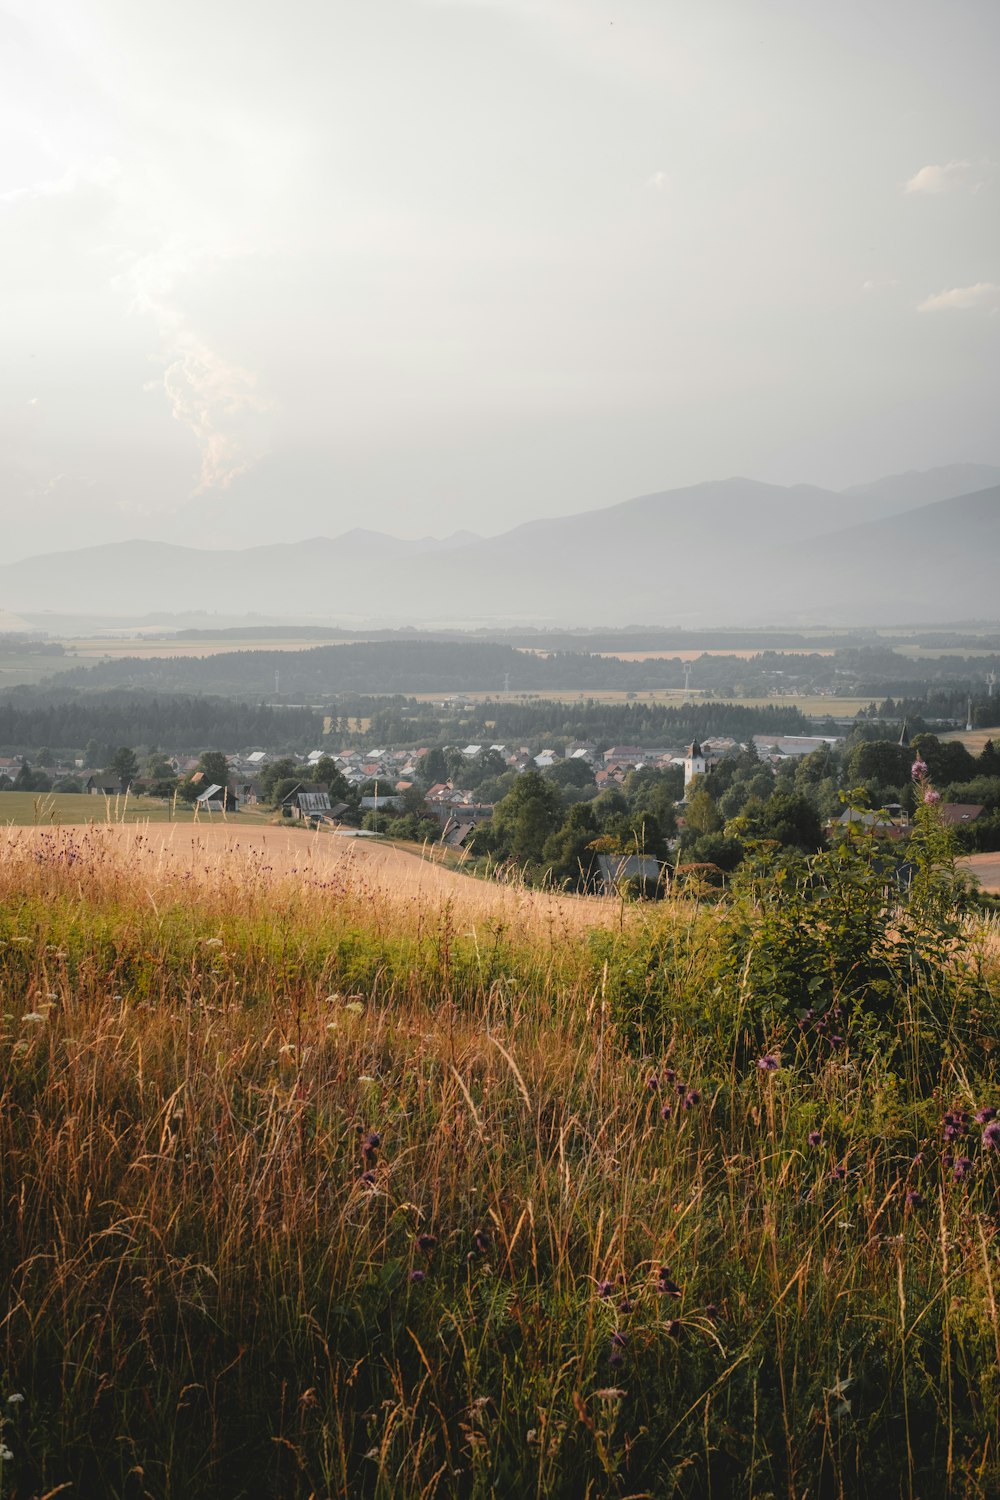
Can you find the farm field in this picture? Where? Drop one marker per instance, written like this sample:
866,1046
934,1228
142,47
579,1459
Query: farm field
973,739
327,1172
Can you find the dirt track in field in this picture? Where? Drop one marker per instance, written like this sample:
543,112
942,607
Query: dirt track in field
986,868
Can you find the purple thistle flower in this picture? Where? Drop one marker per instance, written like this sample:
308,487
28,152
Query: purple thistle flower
669,1075
619,1340
919,769
914,1198
605,1288
814,1138
962,1169
838,1174
666,1285
652,1082
991,1136
416,1276
680,1089
675,1328
666,1111
931,796
769,1064
984,1116
711,1312
952,1132
367,1179
426,1242
693,1097
625,1306
481,1242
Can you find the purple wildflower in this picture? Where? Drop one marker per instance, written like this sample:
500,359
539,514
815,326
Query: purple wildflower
481,1242
666,1285
674,1328
426,1242
838,1174
914,1198
962,1169
605,1288
625,1306
693,1097
984,1116
814,1138
768,1063
418,1276
669,1075
991,1136
652,1082
367,1179
666,1111
931,796
919,769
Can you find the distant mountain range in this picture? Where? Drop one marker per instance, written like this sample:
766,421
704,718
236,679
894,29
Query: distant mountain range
918,547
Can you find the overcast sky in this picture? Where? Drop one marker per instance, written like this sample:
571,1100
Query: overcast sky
274,270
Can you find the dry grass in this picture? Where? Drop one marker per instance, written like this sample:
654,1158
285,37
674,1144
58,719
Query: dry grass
240,1077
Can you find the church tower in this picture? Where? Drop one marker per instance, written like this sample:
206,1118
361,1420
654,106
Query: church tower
695,763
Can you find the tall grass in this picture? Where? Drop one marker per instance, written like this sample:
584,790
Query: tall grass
308,1190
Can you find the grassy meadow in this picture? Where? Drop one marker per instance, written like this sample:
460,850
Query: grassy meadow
22,809
314,1184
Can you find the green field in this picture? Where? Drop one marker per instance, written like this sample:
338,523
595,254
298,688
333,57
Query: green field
25,808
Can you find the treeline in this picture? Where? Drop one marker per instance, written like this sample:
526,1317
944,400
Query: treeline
68,720
400,667
316,673
648,724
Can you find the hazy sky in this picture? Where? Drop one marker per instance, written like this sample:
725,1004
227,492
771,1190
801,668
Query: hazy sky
272,270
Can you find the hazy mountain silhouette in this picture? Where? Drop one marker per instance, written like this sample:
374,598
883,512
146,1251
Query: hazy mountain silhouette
726,552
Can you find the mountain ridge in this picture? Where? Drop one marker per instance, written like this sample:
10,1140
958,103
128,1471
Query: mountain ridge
726,551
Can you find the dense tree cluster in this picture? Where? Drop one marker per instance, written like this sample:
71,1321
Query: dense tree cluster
68,720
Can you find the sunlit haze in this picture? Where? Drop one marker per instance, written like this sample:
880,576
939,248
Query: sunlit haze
426,265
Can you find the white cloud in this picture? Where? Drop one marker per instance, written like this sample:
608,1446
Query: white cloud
948,178
658,182
879,284
984,294
100,175
217,400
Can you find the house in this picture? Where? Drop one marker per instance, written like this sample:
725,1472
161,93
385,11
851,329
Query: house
618,870
98,786
307,801
955,814
880,824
